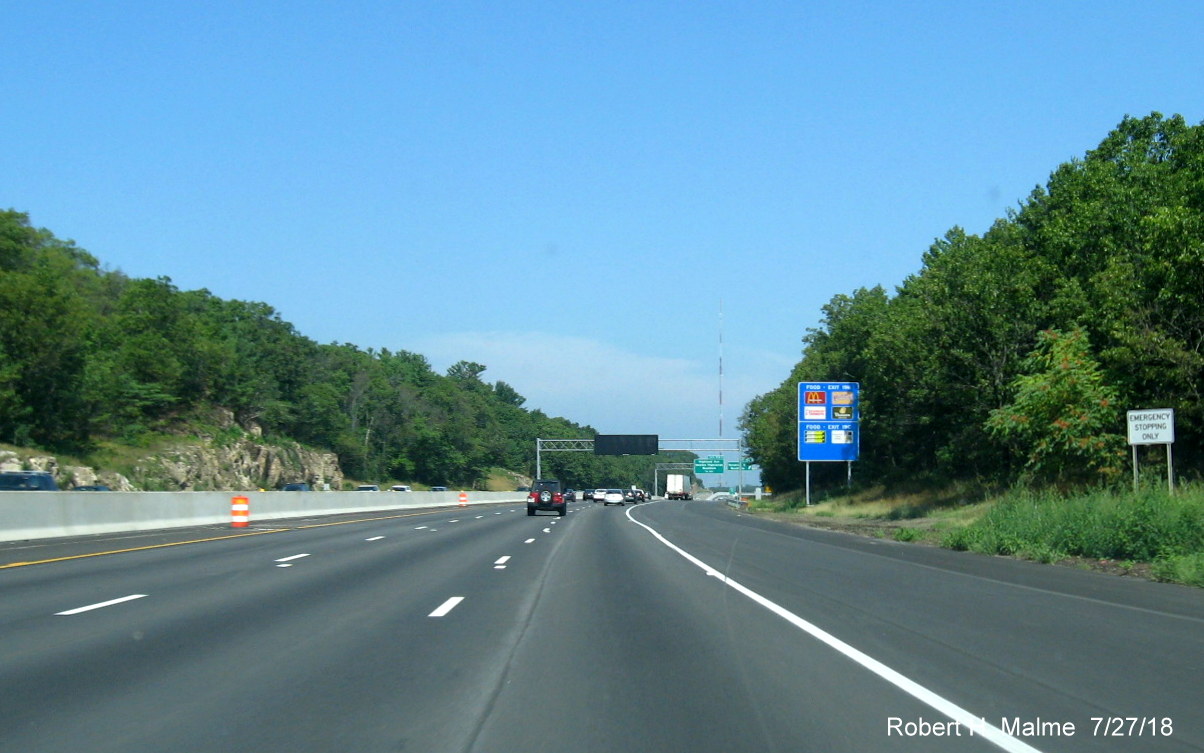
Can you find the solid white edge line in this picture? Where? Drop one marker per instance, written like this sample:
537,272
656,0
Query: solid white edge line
447,606
977,724
101,605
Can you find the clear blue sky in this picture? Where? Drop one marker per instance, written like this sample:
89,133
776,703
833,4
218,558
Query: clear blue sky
563,191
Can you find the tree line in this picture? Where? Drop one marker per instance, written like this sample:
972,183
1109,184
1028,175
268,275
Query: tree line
89,354
1013,356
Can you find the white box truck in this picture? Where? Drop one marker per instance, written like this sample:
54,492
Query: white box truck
677,486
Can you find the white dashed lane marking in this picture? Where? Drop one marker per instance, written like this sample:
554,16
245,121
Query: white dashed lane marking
102,604
447,606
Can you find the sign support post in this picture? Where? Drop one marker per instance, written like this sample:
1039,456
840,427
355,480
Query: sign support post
808,464
1170,470
1134,466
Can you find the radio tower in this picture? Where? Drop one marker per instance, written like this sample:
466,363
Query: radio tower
721,368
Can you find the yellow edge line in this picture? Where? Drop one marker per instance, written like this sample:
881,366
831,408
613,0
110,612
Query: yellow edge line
214,538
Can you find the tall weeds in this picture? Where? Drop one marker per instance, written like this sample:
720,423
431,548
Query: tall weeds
1149,525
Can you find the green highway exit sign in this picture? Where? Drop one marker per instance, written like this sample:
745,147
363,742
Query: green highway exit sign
713,464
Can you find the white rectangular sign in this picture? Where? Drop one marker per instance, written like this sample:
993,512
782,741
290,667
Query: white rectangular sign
1152,426
815,413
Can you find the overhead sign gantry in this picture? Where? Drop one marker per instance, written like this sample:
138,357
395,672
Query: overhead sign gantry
647,444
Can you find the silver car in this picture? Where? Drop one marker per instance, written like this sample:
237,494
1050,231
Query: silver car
614,497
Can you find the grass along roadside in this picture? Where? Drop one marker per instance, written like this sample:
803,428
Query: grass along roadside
1149,533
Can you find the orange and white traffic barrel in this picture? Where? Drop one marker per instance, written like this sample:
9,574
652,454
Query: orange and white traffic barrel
463,499
240,512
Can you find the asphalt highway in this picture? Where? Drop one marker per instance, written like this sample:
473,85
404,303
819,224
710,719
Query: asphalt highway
668,626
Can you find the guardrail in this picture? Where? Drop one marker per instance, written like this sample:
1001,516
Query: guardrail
40,515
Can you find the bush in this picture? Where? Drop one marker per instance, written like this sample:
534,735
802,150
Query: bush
1187,569
908,512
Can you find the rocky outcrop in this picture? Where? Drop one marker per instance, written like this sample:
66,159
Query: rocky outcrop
82,475
238,465
67,476
200,464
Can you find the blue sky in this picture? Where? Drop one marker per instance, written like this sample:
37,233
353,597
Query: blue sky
564,191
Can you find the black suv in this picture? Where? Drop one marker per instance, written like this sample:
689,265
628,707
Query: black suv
546,495
27,481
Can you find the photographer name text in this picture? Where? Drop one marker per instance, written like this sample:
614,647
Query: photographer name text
1020,727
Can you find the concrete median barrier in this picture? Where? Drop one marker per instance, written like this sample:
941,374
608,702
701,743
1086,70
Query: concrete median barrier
40,515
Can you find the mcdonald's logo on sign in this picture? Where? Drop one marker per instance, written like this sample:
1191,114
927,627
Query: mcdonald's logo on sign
816,398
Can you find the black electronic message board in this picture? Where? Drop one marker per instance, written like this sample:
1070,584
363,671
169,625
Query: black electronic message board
626,444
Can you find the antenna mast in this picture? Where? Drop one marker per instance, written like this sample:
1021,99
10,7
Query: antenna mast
721,367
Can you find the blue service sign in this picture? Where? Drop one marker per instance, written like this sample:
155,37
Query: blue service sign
829,421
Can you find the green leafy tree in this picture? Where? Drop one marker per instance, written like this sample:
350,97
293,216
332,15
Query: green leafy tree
1063,414
44,330
1112,245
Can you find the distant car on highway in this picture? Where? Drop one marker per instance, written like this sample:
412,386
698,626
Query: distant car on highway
299,486
400,488
614,497
438,488
599,495
91,488
27,481
367,488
